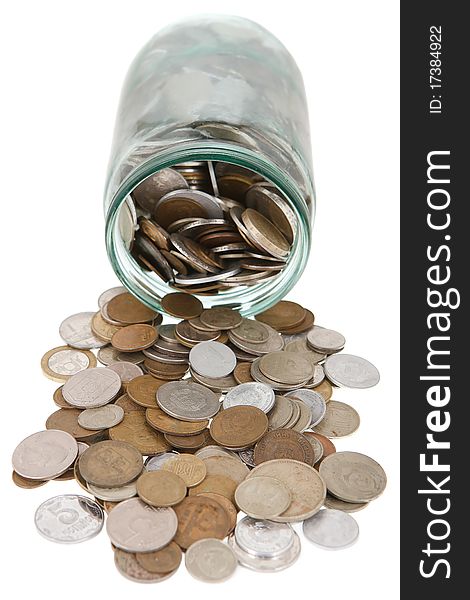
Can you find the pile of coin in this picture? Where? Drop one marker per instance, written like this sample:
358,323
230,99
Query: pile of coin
187,424
207,227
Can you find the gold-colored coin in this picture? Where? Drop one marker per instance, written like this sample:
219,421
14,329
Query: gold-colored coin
216,484
134,338
59,364
264,234
228,506
135,430
188,442
168,372
162,561
25,483
143,390
190,468
242,373
182,305
59,399
66,419
128,310
239,426
325,389
127,404
108,505
166,424
161,488
110,464
102,328
233,468
282,315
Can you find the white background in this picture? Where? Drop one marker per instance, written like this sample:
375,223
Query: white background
62,68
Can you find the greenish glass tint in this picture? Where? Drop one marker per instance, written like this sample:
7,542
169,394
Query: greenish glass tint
212,70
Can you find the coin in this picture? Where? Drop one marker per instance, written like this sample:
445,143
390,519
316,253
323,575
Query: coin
136,527
325,389
227,505
161,488
114,494
155,463
242,373
60,363
143,390
274,343
182,305
305,416
148,193
307,488
340,420
134,338
316,445
353,477
295,415
212,359
190,468
59,401
69,519
106,296
66,419
128,310
216,384
127,404
262,497
200,517
331,529
348,507
325,340
214,451
239,426
250,394
286,367
273,207
251,331
220,317
216,484
313,400
45,454
76,332
283,443
166,424
266,565
281,413
103,329
101,418
135,430
107,355
126,370
92,388
210,560
229,466
351,371
264,234
282,315
155,233
127,565
187,401
328,446
188,442
161,561
189,336
25,483
186,203
262,538
110,463
248,456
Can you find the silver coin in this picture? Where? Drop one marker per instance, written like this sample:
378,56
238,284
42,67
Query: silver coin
92,388
251,331
262,497
331,529
68,362
137,358
266,565
76,332
305,416
104,417
82,446
127,371
318,377
107,355
110,294
167,333
248,457
148,193
281,413
69,519
317,446
273,344
275,385
203,279
116,494
208,451
348,507
175,359
134,526
351,371
300,346
340,420
210,560
155,463
270,204
255,394
107,318
216,384
262,538
207,202
45,454
313,400
212,359
171,348
325,340
187,401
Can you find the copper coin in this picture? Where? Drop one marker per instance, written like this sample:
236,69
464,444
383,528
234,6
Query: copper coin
110,464
154,232
283,314
177,264
305,325
190,336
283,443
143,390
228,506
265,234
190,468
135,430
239,426
328,446
66,419
166,371
162,561
127,404
181,305
161,488
128,310
242,373
102,328
187,442
166,424
220,317
25,483
59,399
134,338
233,468
325,389
200,517
127,565
216,484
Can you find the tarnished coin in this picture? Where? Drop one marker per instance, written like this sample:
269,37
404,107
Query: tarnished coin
60,363
155,233
106,296
102,328
262,538
227,505
76,332
25,483
127,404
212,359
133,338
216,484
264,234
295,414
242,373
340,420
210,560
101,418
216,384
114,494
325,389
60,402
143,390
128,310
228,466
188,442
250,394
263,564
316,445
273,344
283,443
353,477
155,463
282,315
305,416
286,367
307,488
127,565
135,430
160,421
183,203
248,456
110,463
126,370
66,419
107,355
187,401
136,527
148,193
331,529
200,517
220,317
325,340
161,561
348,507
239,427
313,400
69,519
182,305
270,204
251,331
328,446
281,413
190,468
262,497
161,488
92,388
212,450
351,371
45,454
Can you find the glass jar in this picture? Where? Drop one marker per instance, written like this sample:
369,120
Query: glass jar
211,88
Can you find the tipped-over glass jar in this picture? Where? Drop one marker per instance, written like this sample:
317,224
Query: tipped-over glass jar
210,184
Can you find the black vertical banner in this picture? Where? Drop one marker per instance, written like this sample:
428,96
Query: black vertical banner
435,324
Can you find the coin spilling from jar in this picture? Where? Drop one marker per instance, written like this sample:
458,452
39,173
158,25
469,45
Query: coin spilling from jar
215,430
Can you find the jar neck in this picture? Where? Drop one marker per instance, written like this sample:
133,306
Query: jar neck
248,300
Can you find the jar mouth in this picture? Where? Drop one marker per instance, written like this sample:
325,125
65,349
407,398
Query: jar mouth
248,300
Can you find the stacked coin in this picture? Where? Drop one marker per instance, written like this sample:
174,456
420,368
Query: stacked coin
208,227
187,424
